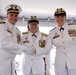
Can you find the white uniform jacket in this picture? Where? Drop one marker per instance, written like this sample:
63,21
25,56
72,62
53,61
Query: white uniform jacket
8,47
65,46
34,62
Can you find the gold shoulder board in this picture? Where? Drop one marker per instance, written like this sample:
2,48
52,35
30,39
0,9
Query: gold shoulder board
24,32
44,34
2,22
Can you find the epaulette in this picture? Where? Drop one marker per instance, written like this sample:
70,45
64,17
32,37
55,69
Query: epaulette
24,32
53,29
72,24
2,22
44,34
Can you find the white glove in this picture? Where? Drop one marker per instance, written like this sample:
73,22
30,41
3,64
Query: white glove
48,73
34,50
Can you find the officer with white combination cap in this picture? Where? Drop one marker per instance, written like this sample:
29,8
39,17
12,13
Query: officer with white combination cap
10,39
63,37
34,64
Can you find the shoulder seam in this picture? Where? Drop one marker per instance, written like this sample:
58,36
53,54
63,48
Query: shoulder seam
53,29
17,29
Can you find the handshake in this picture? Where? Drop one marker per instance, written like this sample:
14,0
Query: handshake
30,51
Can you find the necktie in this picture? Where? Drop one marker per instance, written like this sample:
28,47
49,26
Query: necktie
61,28
34,35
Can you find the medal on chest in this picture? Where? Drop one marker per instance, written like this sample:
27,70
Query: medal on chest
18,38
72,33
42,42
26,40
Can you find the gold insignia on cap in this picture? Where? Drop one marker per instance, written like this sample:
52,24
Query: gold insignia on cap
33,18
59,10
14,6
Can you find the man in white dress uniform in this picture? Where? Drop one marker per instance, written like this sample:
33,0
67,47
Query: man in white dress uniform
10,40
34,64
63,37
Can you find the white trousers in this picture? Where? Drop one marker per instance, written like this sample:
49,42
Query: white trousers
32,73
65,71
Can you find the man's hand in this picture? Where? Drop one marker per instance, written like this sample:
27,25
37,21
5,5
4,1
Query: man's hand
48,73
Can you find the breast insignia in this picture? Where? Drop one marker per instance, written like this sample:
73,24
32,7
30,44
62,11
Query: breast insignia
26,40
56,35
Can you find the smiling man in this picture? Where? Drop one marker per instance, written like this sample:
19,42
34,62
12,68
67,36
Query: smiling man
10,40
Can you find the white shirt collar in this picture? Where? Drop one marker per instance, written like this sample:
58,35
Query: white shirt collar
33,33
9,25
62,26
